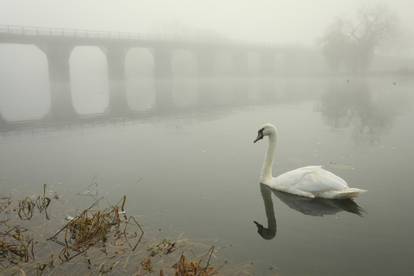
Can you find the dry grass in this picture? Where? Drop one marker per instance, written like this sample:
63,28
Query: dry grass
96,241
15,247
94,226
186,267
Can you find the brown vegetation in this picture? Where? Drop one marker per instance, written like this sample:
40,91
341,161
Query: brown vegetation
97,241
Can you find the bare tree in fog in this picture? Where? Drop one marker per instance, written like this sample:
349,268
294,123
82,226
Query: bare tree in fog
354,105
351,44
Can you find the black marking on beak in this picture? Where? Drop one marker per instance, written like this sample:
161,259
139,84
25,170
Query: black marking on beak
259,226
259,136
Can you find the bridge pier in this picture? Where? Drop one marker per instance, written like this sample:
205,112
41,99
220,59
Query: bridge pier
205,70
267,63
205,88
268,91
61,106
241,91
163,77
162,63
2,121
116,75
205,63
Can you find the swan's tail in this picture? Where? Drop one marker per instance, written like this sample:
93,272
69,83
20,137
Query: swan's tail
347,193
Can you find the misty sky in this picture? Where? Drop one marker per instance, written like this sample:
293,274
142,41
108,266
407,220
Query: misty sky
283,21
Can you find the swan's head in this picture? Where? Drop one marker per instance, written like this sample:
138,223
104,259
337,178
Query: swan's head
265,233
265,130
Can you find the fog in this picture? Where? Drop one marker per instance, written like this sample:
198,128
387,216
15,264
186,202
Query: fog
160,100
304,30
281,21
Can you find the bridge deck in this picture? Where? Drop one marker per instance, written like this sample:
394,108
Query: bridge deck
33,35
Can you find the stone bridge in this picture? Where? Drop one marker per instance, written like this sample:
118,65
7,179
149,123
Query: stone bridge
57,45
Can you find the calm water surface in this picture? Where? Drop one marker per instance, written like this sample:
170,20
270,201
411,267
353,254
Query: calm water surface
197,173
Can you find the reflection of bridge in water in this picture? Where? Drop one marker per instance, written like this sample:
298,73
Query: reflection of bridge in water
239,93
57,45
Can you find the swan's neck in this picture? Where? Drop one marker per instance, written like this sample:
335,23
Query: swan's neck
270,213
268,162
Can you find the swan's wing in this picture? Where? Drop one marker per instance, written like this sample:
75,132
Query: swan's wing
321,180
290,178
313,179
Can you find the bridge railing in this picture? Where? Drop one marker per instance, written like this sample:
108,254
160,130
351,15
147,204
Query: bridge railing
64,32
83,33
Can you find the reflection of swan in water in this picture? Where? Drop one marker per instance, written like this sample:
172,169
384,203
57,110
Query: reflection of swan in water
269,232
307,206
319,206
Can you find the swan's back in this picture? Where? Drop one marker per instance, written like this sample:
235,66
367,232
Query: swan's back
312,179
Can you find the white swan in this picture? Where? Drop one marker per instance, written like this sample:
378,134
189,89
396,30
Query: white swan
310,181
